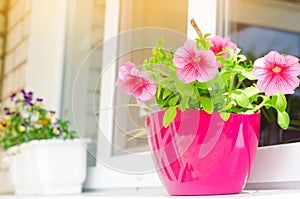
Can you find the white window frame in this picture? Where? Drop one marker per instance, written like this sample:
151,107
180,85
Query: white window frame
101,176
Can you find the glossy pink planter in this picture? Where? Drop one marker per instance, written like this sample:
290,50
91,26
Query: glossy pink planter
201,154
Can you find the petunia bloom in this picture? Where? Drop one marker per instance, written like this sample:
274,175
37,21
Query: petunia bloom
219,44
276,72
134,82
193,64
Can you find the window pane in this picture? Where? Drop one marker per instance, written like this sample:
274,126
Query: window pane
258,27
85,24
140,14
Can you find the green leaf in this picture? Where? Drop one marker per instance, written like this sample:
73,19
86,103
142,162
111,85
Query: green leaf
160,43
245,72
225,116
201,85
207,105
152,60
206,35
225,76
167,92
242,58
159,91
249,112
203,44
279,102
240,98
283,119
184,103
146,66
173,101
251,91
184,89
169,116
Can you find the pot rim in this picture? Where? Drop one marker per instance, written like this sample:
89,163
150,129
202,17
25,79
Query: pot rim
17,148
196,110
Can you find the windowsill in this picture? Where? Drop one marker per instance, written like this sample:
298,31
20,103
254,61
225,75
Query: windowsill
161,193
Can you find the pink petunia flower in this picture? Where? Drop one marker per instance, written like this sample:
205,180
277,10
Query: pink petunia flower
277,73
219,44
193,64
134,82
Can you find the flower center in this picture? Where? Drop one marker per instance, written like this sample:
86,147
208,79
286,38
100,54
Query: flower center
196,59
276,69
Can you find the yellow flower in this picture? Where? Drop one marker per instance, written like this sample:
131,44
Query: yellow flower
38,104
37,113
44,121
56,132
64,133
7,118
21,128
4,125
29,108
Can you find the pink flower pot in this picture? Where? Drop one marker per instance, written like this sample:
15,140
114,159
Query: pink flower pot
201,154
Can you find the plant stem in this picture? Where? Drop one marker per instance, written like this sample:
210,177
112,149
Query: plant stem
195,26
228,106
230,86
261,104
134,130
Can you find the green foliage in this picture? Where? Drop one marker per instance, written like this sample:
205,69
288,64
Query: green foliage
169,116
233,90
207,105
25,119
283,119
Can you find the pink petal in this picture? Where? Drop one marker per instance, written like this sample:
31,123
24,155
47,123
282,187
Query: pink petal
193,64
273,58
187,74
259,68
134,82
145,92
220,43
285,87
184,54
125,70
293,63
284,81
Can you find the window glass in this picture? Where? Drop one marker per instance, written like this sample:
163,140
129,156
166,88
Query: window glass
140,14
258,27
84,31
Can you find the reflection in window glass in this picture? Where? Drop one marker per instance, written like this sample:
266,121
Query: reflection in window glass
258,27
84,31
139,14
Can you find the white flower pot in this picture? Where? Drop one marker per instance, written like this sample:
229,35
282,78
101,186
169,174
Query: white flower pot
48,167
5,183
276,167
